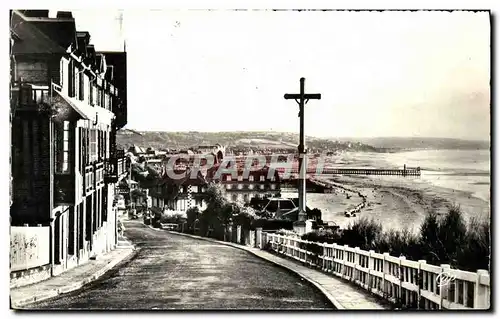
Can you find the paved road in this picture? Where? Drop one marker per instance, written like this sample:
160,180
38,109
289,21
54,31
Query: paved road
175,272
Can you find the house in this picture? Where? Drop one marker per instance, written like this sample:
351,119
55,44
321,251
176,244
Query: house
179,194
65,112
137,151
241,187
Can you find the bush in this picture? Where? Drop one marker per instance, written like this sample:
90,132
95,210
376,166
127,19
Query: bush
429,239
171,219
475,254
445,240
244,220
192,215
324,236
400,243
362,233
452,235
271,224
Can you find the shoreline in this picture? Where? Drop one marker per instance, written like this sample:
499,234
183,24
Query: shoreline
396,205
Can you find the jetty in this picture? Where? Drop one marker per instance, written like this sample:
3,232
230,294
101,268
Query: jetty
356,171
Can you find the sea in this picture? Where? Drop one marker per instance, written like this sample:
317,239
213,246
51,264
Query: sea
462,177
463,170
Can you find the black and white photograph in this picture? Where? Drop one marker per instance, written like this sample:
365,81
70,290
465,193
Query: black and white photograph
250,159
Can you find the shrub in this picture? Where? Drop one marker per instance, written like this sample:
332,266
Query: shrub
399,243
192,215
287,232
429,238
452,235
324,236
244,220
171,219
475,254
271,224
362,233
440,241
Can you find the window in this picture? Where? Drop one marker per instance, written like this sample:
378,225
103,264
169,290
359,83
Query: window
240,186
240,178
61,74
62,148
262,178
91,94
82,86
273,179
93,145
228,178
71,80
250,178
76,81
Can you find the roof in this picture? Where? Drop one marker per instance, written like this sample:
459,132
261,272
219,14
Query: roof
83,38
136,149
167,178
119,62
30,38
211,172
61,30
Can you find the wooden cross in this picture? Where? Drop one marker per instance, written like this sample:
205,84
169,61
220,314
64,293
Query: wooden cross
302,98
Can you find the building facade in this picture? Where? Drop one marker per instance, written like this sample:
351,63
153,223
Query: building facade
179,194
67,102
243,187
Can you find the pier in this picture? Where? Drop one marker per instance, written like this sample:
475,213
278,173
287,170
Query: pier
356,171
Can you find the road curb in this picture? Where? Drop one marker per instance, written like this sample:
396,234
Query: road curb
329,296
44,295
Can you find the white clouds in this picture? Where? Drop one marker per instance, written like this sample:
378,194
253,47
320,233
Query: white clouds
388,73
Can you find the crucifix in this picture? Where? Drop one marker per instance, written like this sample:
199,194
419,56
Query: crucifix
302,99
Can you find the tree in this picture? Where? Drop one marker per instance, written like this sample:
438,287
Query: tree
476,252
217,213
429,238
192,214
452,234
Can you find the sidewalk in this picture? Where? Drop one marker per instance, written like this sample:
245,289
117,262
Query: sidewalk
342,294
72,279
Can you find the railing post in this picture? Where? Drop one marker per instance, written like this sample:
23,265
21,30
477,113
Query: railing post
357,262
324,255
238,234
344,260
258,235
334,255
401,276
420,282
371,268
443,289
306,242
481,292
385,270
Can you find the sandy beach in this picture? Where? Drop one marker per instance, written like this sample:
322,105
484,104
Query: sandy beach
395,204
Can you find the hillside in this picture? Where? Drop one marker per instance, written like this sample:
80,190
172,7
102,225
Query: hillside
233,140
286,141
414,143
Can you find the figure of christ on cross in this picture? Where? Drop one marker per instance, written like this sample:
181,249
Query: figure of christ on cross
302,98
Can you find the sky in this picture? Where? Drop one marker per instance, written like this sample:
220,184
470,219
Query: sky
422,74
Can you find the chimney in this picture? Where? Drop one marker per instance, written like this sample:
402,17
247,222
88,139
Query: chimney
35,13
64,14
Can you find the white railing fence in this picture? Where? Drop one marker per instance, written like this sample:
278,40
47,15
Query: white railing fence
406,283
